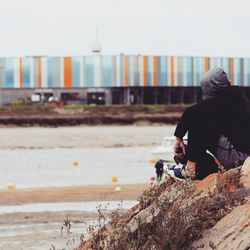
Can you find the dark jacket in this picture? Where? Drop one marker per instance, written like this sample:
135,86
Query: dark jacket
226,113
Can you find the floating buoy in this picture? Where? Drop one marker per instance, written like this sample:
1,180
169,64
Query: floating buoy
75,163
11,186
114,179
152,160
118,189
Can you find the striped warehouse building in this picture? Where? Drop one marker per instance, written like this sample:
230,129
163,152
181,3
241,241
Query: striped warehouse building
121,79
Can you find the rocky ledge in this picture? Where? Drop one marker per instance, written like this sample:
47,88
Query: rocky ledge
210,214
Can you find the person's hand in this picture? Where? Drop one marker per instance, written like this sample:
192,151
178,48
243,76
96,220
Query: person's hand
190,169
179,143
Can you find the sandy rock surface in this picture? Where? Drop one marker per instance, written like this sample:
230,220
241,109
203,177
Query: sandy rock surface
210,214
246,173
231,232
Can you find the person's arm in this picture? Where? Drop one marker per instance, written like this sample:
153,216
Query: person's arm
183,124
181,130
179,143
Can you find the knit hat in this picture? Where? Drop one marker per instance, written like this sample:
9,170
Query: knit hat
213,81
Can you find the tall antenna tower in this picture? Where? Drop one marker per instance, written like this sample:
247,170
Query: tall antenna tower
96,46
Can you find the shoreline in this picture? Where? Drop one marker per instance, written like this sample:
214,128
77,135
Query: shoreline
64,121
75,115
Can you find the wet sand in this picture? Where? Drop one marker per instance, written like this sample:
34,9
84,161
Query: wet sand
42,230
71,194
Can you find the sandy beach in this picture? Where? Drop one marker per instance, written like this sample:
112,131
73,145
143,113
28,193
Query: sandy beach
83,136
42,229
71,194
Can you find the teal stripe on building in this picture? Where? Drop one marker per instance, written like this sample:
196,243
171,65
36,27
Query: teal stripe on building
107,71
114,74
248,72
149,81
122,71
35,71
129,71
237,71
75,72
181,72
49,65
134,70
9,73
54,72
26,72
225,65
89,60
189,71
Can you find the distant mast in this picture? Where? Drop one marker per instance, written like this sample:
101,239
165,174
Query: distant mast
96,46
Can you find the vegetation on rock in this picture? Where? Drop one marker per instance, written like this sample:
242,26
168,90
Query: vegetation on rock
172,215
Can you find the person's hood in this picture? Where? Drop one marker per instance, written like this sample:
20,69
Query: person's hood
213,81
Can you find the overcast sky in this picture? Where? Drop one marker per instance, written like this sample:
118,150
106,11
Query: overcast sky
161,27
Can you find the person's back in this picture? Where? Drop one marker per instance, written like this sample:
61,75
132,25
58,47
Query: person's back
223,112
236,122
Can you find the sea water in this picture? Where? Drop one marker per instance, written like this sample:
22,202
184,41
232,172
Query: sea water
74,166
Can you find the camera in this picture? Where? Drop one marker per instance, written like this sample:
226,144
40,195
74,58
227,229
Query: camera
180,158
178,150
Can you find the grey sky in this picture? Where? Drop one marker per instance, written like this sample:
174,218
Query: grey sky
164,27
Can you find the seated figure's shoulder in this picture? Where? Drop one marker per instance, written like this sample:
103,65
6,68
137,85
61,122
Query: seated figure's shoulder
202,108
194,107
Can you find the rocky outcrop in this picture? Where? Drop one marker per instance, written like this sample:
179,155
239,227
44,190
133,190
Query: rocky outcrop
245,179
233,230
208,214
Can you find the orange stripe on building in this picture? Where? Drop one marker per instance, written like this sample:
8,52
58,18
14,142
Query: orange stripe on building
155,66
206,64
231,65
145,70
39,72
126,71
21,72
67,72
172,70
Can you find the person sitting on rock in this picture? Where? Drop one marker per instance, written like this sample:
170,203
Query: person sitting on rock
220,124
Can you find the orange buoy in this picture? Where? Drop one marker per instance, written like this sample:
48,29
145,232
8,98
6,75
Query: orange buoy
152,160
114,179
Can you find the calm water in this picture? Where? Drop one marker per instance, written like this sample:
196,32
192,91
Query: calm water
54,167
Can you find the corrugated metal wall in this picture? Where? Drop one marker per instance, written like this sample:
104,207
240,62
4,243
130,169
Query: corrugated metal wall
116,71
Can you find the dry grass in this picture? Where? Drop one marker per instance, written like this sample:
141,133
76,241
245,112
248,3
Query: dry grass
173,221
